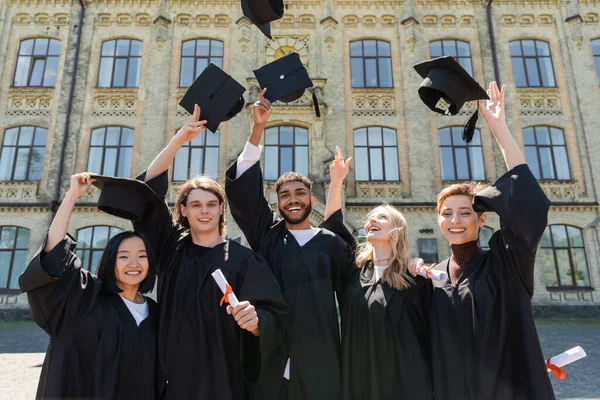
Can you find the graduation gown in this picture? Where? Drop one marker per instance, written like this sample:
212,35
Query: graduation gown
386,341
485,344
96,349
309,276
202,352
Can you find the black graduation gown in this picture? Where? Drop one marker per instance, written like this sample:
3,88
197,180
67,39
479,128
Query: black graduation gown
308,276
386,341
202,352
485,344
96,349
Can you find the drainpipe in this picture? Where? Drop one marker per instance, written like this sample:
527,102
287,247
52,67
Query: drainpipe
55,202
488,11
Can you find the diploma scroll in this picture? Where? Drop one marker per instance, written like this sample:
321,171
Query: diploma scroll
555,363
228,295
434,274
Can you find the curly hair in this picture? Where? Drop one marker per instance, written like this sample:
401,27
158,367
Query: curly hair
292,177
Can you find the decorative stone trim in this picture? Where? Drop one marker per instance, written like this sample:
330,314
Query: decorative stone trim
373,101
378,191
591,18
19,191
557,190
377,4
539,101
29,101
434,21
527,20
123,19
304,21
115,102
202,20
584,295
369,21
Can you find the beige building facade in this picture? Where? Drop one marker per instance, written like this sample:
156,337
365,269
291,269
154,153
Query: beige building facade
95,85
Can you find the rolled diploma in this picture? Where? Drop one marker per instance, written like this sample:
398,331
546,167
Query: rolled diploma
222,282
435,274
569,356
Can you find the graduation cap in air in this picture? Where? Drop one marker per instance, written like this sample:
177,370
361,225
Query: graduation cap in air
124,197
285,80
262,13
218,95
446,87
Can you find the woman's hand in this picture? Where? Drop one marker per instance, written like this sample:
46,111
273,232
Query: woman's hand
80,184
493,109
338,170
414,265
262,109
191,129
245,315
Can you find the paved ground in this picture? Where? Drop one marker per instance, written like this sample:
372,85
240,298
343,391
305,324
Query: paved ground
22,347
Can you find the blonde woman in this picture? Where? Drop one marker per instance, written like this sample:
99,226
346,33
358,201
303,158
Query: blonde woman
385,311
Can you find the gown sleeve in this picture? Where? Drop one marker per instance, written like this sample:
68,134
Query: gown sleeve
157,222
58,289
249,207
522,206
260,288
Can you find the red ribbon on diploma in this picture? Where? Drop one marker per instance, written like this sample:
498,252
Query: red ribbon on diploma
225,298
428,272
558,372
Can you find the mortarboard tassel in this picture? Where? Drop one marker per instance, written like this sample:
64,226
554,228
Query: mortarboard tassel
316,103
469,129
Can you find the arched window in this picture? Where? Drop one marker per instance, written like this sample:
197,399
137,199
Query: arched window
376,154
561,255
286,149
198,157
460,161
596,52
120,63
195,57
461,51
22,155
111,151
546,152
14,242
91,242
371,64
532,63
485,234
37,62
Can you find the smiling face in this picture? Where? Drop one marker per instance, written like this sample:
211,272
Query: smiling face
378,225
203,211
458,221
294,202
131,266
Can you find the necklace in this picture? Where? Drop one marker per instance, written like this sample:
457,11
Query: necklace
382,262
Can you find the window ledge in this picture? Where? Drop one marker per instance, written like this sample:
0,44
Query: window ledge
560,190
18,191
389,191
570,288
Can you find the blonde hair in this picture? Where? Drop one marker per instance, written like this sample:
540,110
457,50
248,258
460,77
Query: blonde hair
204,183
459,189
396,275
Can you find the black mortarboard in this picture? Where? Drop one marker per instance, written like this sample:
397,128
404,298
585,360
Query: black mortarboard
218,95
285,80
447,86
124,197
262,12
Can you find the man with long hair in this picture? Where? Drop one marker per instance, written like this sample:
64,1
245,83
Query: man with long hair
309,263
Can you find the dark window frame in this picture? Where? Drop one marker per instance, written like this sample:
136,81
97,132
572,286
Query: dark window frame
5,286
382,147
279,146
112,231
35,57
18,147
376,58
596,56
537,62
454,147
425,256
119,148
571,264
551,146
128,57
457,57
195,57
189,147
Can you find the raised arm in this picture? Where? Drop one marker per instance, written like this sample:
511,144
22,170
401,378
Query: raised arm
493,113
338,170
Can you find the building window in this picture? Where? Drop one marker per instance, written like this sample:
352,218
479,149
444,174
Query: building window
460,161
376,154
198,157
111,150
428,250
23,151
546,152
286,149
120,63
91,242
371,64
459,50
562,257
37,62
14,242
532,63
485,234
195,57
596,52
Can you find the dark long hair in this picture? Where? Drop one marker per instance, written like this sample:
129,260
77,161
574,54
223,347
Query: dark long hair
107,265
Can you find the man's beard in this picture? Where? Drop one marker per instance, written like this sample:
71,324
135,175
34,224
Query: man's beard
300,218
